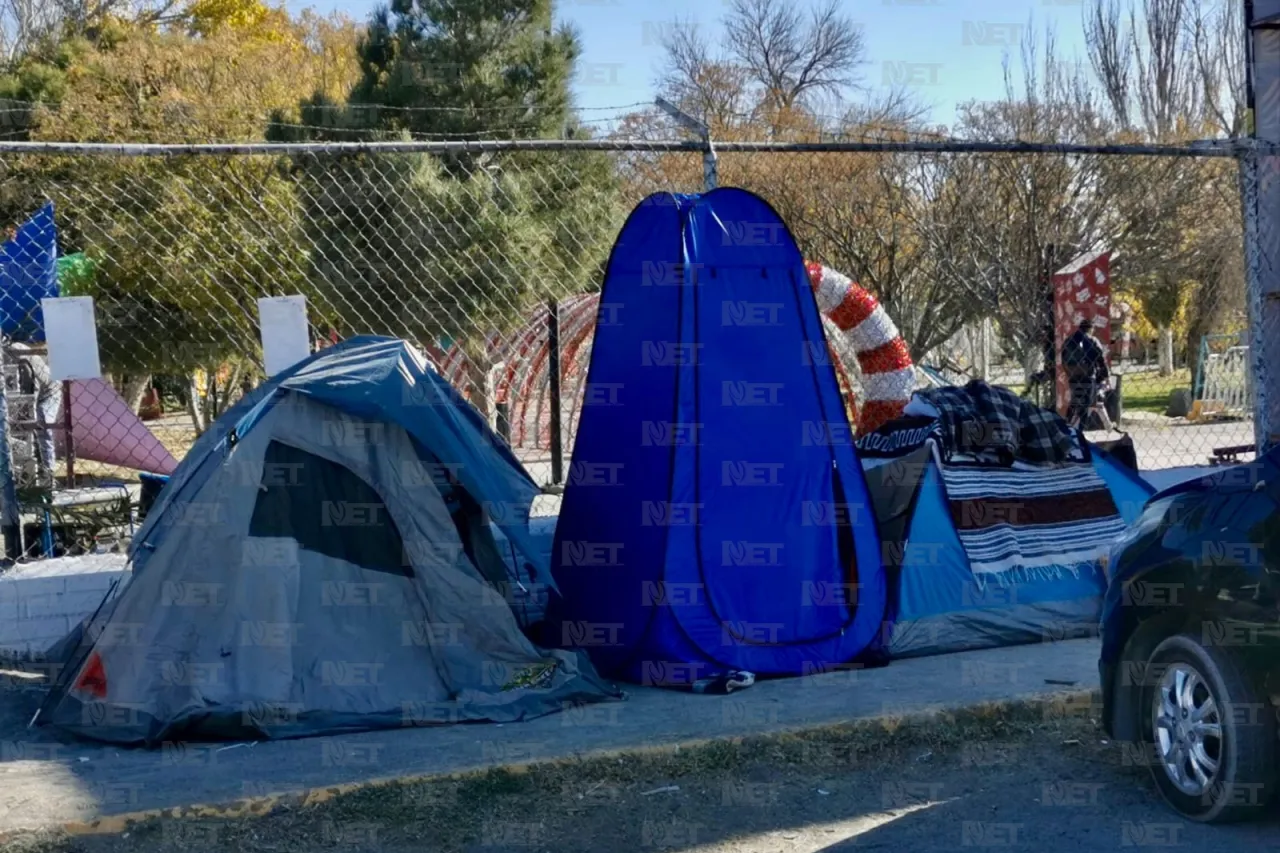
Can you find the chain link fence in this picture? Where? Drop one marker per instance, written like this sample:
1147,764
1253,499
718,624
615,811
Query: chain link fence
467,250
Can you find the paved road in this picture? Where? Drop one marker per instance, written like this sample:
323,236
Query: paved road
1055,789
1175,445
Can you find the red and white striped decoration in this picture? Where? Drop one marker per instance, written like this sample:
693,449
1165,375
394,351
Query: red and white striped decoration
888,375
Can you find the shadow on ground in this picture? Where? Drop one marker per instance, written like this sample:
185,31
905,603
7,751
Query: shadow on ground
1053,786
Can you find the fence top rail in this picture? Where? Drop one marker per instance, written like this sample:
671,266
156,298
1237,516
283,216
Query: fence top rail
1208,148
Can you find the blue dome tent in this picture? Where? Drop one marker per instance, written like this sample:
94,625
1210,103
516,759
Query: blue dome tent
716,518
323,558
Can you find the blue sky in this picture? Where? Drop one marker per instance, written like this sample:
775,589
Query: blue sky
948,51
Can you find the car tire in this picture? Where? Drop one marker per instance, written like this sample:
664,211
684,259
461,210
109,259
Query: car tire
1185,677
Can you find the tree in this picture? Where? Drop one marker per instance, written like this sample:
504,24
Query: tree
460,68
860,213
1173,71
1017,207
29,26
25,22
182,245
775,63
460,245
789,59
873,216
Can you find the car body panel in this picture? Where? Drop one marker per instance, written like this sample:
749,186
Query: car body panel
1204,557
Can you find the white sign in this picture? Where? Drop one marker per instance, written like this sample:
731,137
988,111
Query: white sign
285,338
72,336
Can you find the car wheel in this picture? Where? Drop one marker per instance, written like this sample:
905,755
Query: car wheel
1213,737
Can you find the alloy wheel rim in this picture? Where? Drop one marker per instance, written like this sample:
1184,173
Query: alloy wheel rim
1188,730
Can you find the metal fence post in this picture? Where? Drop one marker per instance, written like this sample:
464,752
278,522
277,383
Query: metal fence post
1261,202
1256,299
1048,346
70,435
553,369
984,346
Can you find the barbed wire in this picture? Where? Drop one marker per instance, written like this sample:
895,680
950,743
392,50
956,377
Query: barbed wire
25,106
1226,148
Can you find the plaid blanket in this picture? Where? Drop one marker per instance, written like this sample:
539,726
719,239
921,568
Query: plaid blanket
981,418
1057,519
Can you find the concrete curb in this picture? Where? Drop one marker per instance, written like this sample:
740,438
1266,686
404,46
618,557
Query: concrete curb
1047,706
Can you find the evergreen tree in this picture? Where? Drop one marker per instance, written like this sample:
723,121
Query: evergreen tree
457,246
460,68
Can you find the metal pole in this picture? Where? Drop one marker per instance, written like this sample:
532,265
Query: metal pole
553,368
986,349
1261,201
10,516
1049,332
70,436
502,420
710,162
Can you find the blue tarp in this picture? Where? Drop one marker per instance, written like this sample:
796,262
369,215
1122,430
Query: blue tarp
716,517
28,273
940,605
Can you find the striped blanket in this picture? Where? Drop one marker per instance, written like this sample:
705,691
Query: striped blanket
1056,517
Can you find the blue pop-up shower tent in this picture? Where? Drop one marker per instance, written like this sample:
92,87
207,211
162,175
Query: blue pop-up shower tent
716,517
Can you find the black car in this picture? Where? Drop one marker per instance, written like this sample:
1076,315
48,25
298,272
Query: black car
1190,660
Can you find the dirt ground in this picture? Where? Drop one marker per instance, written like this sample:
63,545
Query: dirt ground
1050,786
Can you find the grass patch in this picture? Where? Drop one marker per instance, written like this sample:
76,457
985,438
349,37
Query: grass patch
454,812
1149,392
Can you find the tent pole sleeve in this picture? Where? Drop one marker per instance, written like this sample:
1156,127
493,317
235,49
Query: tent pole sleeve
553,365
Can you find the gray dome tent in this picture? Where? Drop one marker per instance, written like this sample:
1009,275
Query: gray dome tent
322,561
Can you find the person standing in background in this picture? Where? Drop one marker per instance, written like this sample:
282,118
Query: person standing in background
35,379
1085,360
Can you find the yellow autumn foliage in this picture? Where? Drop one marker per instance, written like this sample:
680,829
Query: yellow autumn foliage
250,17
163,86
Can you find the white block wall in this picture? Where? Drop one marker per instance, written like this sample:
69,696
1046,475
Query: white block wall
41,602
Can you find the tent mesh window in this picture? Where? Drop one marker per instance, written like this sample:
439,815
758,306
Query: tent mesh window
326,508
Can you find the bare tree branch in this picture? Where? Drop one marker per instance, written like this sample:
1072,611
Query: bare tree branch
23,23
700,83
789,58
1218,39
1111,55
